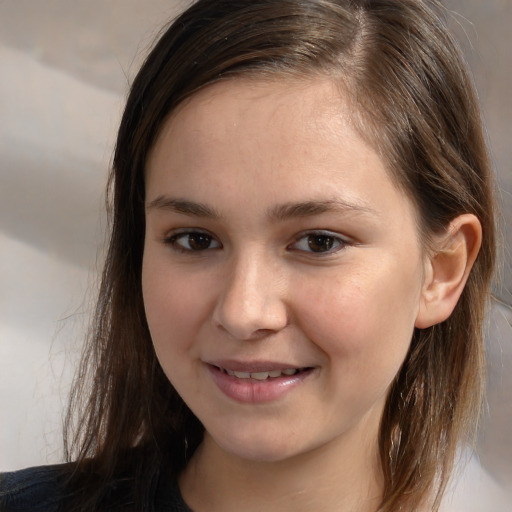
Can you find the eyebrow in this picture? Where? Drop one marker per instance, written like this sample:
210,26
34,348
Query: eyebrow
311,208
278,213
183,206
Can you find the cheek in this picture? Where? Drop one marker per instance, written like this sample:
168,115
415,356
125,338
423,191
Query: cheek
175,309
174,305
363,322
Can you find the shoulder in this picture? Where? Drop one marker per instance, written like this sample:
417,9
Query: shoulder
47,489
168,497
38,489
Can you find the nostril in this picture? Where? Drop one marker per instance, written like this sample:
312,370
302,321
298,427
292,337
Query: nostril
250,304
250,323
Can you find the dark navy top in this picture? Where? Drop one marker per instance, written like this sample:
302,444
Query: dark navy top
42,489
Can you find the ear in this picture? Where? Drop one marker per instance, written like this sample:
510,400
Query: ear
447,269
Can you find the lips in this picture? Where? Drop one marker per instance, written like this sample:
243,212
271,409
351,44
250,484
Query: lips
257,382
262,375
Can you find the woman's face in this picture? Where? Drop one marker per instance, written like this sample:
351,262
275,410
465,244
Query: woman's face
282,268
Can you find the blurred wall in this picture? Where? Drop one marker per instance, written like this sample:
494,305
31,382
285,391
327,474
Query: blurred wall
483,28
65,68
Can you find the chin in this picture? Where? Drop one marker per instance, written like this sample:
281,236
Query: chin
260,454
262,446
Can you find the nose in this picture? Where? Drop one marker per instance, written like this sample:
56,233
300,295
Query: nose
252,303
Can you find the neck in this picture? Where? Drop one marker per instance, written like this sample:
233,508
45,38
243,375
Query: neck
342,475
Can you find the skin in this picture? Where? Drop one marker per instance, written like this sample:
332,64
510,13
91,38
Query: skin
249,288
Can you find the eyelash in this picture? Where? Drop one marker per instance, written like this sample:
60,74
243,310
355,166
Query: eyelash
337,243
173,241
334,242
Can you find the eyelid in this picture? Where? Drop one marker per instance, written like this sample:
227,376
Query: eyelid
172,237
342,241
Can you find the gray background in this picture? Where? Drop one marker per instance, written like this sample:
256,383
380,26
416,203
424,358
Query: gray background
64,72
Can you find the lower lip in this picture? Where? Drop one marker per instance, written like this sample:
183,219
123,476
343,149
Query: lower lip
256,391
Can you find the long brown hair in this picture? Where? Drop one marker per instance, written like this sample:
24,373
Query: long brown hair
412,101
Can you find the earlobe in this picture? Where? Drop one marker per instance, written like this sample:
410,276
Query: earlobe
447,270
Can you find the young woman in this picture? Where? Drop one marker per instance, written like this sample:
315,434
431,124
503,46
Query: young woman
302,242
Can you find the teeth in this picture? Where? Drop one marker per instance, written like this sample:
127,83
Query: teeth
242,375
262,375
259,375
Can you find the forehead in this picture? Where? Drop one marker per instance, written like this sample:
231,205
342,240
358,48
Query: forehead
284,138
250,103
307,114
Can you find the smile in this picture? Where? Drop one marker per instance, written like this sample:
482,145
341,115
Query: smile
257,383
263,375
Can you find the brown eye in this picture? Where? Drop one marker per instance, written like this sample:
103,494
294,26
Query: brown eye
319,242
193,241
199,241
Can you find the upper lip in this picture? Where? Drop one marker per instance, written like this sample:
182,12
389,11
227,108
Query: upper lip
253,366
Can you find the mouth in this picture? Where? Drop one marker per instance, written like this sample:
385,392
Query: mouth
263,375
257,381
